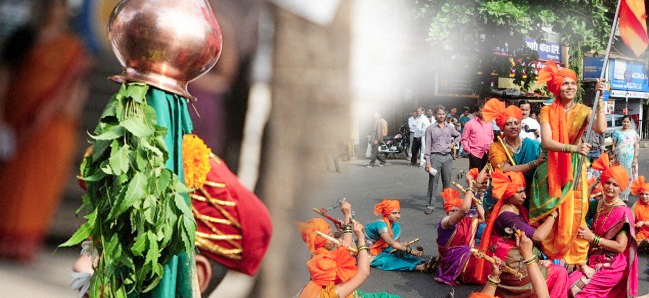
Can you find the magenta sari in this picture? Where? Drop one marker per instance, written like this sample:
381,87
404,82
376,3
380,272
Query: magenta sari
616,274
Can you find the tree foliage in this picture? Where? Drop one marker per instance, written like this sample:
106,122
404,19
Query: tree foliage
472,29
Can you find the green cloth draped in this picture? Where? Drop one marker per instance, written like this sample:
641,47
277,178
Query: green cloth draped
172,113
375,295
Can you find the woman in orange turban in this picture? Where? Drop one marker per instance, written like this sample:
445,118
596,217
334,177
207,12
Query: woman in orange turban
525,153
383,234
508,217
641,211
612,267
456,236
562,126
334,273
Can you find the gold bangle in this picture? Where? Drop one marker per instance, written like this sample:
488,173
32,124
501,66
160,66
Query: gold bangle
530,261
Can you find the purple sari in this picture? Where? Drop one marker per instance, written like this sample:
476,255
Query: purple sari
616,274
454,246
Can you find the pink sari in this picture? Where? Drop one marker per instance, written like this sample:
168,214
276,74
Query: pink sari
616,274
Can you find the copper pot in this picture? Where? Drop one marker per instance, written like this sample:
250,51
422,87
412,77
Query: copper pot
164,43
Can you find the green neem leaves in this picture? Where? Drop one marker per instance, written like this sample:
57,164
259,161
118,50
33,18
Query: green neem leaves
137,217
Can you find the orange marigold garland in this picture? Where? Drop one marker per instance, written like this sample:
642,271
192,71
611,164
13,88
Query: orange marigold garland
196,162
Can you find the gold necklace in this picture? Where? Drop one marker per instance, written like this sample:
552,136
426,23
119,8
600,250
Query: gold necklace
572,106
610,204
514,150
518,212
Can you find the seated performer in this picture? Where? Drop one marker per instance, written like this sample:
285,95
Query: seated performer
334,273
612,266
456,236
525,246
508,216
525,153
383,235
641,212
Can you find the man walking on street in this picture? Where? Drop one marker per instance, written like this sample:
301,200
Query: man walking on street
379,131
412,125
531,128
439,140
476,139
421,122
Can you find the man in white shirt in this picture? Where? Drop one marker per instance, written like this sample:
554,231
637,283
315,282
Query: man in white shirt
531,128
412,125
421,123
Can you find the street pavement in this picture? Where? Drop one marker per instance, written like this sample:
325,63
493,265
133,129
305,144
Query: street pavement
363,187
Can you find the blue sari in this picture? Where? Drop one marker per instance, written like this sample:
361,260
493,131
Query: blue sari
398,261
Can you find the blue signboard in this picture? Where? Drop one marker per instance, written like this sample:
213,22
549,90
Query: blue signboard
593,67
547,50
628,75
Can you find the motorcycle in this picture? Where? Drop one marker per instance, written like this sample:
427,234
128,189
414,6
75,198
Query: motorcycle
396,144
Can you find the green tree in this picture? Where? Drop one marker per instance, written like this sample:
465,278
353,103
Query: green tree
472,29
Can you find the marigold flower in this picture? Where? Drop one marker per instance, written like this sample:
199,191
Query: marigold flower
196,162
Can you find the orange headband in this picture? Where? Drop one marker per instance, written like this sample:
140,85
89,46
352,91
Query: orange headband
507,184
386,207
495,109
334,267
639,186
309,236
554,77
618,173
451,199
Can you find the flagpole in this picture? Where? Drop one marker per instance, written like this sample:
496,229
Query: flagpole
589,128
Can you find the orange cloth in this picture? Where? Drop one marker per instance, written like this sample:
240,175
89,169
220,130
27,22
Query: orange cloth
551,75
639,186
34,180
451,199
618,173
494,109
572,205
504,186
327,270
473,173
384,208
481,295
641,213
633,25
309,236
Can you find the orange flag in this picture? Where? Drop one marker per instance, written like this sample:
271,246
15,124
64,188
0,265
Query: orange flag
633,25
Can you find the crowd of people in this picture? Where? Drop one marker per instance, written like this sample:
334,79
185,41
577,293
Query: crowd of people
545,209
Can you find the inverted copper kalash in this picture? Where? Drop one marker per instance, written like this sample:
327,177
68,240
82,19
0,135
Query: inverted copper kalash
164,43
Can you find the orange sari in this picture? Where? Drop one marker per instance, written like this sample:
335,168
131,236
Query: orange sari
33,181
641,213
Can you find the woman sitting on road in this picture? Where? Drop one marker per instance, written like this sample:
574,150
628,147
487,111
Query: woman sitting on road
526,153
456,236
383,235
525,246
508,216
612,266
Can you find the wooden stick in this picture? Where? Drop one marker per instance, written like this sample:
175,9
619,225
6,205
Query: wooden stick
489,259
463,190
337,222
334,240
406,244
509,156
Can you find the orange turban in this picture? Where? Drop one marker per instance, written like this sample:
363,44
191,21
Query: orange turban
618,173
473,173
334,267
495,109
451,199
507,184
638,186
554,77
386,207
309,236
